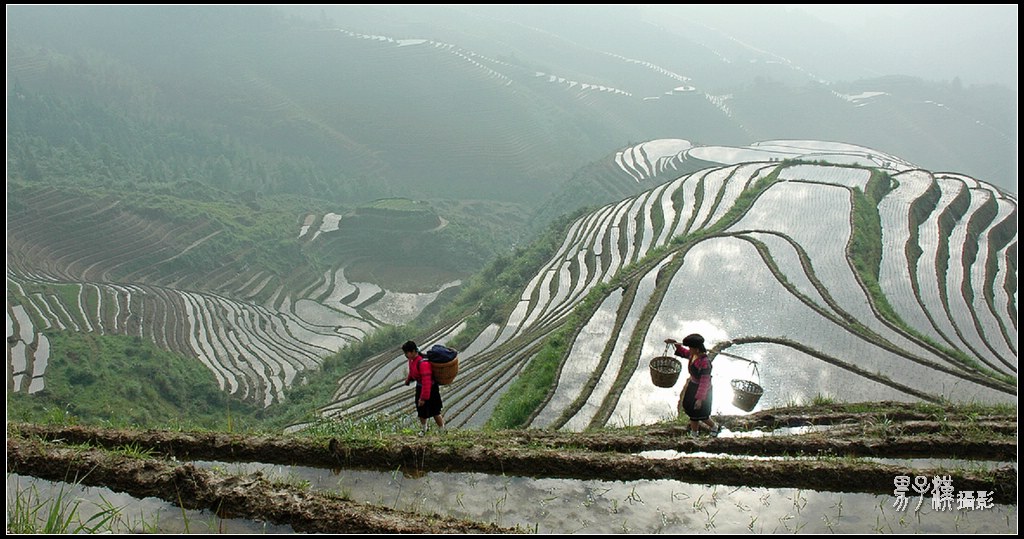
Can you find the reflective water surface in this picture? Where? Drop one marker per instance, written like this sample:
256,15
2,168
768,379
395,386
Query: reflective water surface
565,505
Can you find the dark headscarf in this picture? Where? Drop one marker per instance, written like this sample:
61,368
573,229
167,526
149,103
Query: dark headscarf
695,340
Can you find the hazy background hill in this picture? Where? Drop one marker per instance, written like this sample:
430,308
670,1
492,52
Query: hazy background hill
362,102
977,43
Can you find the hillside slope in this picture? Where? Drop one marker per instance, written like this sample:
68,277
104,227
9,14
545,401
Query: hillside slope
893,280
259,293
869,280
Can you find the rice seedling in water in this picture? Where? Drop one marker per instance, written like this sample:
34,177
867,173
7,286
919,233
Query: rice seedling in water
27,513
634,496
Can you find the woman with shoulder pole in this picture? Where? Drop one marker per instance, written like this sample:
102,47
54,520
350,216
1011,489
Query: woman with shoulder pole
697,390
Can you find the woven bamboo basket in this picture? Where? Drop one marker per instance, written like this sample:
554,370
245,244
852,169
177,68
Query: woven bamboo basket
665,371
745,394
444,373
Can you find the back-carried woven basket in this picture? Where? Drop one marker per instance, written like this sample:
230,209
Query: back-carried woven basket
444,373
665,371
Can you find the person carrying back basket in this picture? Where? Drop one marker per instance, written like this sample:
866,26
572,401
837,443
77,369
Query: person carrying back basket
427,396
697,389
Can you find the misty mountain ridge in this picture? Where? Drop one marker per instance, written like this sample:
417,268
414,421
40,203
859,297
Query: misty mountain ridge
499,109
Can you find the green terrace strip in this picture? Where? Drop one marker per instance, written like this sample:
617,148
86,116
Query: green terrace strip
532,387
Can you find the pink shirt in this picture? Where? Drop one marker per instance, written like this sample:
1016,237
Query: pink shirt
422,373
699,368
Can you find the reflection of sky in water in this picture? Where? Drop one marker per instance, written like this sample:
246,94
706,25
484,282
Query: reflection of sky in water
689,201
10,324
319,314
791,377
981,307
200,344
573,274
788,261
25,328
831,152
482,340
843,159
563,506
582,360
927,273
300,331
849,177
540,304
638,405
647,236
366,292
398,308
341,289
713,183
792,210
733,290
134,515
615,362
735,186
41,358
811,146
963,317
17,360
663,198
612,251
1007,261
593,233
893,275
470,406
512,325
572,236
731,156
638,160
633,216
648,506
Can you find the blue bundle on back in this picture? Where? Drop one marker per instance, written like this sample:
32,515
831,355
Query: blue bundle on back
440,353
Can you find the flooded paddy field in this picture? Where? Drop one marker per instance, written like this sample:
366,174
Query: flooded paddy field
784,471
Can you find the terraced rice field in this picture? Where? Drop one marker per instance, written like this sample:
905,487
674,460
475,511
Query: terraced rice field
775,285
88,265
